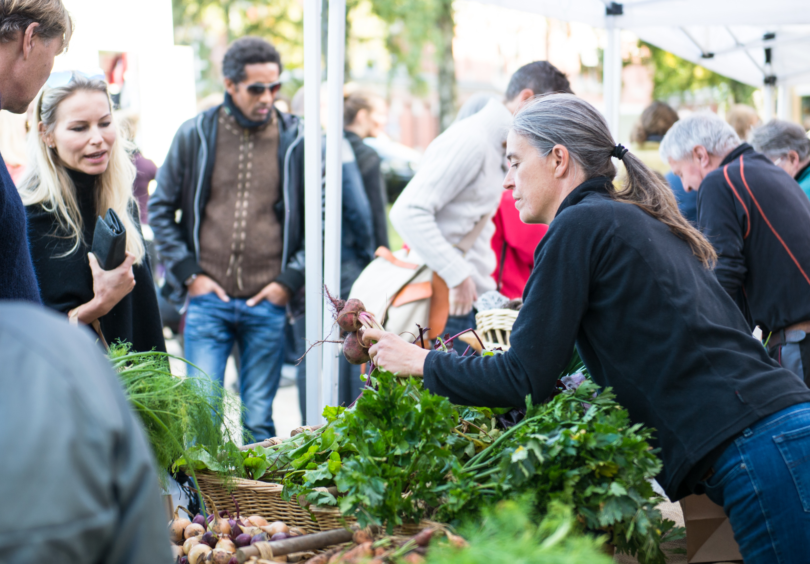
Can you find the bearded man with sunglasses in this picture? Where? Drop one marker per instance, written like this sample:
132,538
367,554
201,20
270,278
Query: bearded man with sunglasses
236,252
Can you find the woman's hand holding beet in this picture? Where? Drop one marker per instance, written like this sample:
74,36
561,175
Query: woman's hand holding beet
393,354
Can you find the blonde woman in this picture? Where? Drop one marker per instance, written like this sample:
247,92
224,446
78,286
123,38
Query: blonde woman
78,169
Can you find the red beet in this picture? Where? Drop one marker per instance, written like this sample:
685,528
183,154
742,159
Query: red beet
354,351
348,318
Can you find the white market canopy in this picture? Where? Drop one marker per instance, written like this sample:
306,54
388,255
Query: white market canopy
758,43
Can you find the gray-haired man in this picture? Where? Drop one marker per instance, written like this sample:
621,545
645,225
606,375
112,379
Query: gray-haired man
787,145
756,217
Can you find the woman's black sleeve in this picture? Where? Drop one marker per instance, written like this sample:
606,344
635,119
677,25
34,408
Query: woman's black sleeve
543,337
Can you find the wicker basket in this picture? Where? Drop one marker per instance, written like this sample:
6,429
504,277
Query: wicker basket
255,498
495,327
262,498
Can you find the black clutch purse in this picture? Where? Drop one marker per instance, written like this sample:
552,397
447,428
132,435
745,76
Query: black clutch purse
110,241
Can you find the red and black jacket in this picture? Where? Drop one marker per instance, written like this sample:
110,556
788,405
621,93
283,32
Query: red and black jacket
758,220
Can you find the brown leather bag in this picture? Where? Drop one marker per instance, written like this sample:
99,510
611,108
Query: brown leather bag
403,292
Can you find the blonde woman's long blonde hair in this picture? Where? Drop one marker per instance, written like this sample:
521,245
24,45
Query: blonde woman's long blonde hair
46,181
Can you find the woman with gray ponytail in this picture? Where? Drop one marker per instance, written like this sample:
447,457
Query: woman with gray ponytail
624,277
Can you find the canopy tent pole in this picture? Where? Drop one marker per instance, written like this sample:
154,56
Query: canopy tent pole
769,86
612,73
313,206
334,199
783,103
767,102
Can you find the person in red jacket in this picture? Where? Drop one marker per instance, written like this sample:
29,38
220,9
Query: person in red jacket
514,243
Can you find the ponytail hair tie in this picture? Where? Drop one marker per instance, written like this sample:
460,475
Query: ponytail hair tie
619,151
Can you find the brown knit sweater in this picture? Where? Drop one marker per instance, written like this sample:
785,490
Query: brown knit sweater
240,234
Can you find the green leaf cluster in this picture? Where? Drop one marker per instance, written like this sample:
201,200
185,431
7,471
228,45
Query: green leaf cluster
176,412
579,449
509,533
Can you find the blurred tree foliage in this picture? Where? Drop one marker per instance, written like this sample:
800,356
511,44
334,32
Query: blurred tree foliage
210,25
675,76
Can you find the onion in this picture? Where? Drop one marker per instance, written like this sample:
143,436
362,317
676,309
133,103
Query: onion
236,529
219,556
279,536
178,525
193,530
296,532
199,519
210,539
276,527
190,543
184,560
242,540
177,551
198,553
233,560
226,544
257,521
261,537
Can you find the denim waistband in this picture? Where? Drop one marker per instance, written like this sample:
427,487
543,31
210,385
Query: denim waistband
777,418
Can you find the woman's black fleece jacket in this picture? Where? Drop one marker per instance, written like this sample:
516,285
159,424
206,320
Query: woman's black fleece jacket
648,320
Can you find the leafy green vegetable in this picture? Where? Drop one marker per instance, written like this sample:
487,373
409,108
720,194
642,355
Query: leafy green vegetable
508,533
176,412
579,449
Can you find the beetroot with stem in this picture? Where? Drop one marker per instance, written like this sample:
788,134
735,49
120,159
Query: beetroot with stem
354,351
349,317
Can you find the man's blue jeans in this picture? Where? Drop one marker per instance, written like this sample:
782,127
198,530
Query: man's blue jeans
763,483
212,327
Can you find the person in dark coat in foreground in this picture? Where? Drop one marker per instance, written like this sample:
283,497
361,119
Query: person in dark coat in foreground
63,407
757,219
622,274
79,168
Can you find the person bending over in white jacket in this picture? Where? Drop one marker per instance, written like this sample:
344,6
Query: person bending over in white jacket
459,182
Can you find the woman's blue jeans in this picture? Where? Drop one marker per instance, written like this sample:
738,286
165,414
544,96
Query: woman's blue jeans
762,481
212,328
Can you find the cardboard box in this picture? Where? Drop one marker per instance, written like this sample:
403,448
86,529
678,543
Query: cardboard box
709,537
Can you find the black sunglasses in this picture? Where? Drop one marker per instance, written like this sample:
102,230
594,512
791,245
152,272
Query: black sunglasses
257,88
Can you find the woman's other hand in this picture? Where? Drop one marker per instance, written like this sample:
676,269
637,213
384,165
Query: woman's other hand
109,288
462,297
393,354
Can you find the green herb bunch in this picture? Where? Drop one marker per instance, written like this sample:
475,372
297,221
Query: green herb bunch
579,449
176,412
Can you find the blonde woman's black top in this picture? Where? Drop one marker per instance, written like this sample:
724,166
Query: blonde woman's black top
66,282
648,320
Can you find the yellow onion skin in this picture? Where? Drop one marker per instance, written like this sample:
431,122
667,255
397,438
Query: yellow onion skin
193,530
275,527
190,543
176,529
227,545
257,521
198,553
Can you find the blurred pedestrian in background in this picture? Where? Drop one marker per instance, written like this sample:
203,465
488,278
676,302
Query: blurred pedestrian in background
32,33
63,407
12,144
787,145
513,241
366,115
743,119
459,184
655,121
236,171
79,168
146,170
756,217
